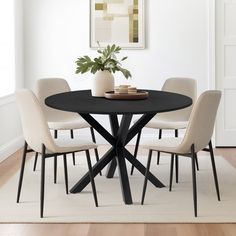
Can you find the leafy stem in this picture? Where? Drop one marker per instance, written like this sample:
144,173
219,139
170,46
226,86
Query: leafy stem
107,60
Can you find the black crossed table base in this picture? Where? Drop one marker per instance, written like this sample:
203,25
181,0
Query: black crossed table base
83,103
118,153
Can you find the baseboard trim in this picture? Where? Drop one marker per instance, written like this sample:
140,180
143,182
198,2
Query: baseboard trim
225,146
11,147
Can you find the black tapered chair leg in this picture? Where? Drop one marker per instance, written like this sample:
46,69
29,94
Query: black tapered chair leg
97,157
73,154
55,134
73,158
95,149
35,161
21,172
146,175
158,153
65,173
42,185
176,168
55,169
171,171
176,160
72,133
92,178
196,162
158,157
136,150
193,157
214,170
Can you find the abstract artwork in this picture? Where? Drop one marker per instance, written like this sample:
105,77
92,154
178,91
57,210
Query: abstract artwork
118,22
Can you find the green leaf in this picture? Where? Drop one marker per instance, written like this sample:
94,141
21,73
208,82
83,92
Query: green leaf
106,61
124,58
113,47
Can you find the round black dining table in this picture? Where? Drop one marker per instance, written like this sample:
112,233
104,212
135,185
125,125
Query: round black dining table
83,103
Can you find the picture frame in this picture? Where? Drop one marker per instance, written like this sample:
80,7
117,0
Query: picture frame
120,22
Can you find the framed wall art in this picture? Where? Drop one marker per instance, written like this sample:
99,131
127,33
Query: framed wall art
118,22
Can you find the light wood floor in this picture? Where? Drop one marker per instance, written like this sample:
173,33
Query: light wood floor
12,164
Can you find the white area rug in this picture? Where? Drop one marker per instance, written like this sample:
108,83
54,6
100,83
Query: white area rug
160,204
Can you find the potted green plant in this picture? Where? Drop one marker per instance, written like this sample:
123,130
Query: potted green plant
102,66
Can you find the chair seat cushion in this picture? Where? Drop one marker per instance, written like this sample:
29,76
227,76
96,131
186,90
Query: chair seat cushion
157,123
68,123
71,145
168,145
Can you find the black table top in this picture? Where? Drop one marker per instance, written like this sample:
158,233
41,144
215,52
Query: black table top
82,102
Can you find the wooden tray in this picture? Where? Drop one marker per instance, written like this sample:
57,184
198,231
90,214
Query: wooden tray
126,96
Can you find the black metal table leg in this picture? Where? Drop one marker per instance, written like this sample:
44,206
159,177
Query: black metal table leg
123,176
114,129
94,141
111,168
85,180
130,133
136,150
120,158
121,135
140,167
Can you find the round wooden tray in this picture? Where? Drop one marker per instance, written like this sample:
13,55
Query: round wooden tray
126,96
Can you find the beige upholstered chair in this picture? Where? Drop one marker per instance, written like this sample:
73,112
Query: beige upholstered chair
59,120
38,138
173,120
197,137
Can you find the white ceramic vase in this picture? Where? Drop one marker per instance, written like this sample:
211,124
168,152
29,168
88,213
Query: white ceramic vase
103,81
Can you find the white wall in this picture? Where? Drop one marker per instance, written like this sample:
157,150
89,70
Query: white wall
177,42
10,128
11,135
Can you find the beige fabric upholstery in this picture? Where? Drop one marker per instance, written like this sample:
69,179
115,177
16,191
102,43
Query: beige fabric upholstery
176,119
169,145
72,145
57,120
68,123
36,131
199,130
157,123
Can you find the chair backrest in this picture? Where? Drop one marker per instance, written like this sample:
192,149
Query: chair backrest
201,122
185,86
35,127
47,87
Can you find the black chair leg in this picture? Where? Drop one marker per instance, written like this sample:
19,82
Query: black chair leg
177,168
95,149
146,175
176,161
72,133
21,172
196,162
55,169
65,173
72,137
73,158
35,161
42,182
136,150
92,178
214,170
55,134
171,171
193,156
158,153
